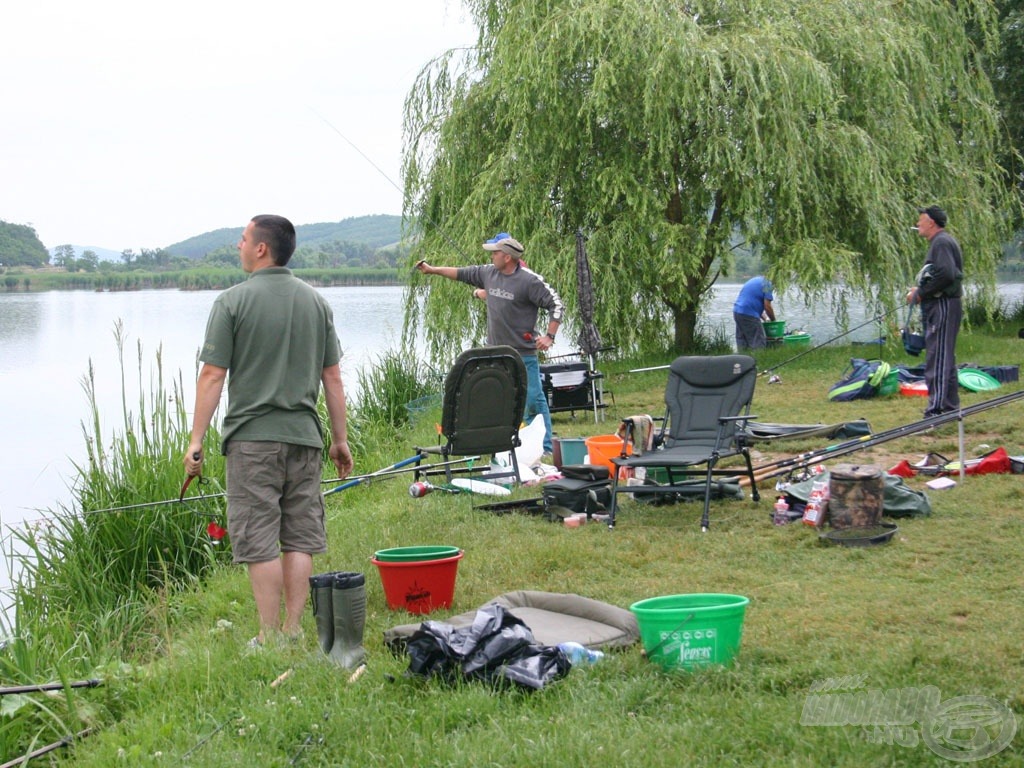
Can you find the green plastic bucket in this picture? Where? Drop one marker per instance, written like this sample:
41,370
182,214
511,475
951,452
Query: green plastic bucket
774,329
414,554
574,450
688,631
797,339
891,383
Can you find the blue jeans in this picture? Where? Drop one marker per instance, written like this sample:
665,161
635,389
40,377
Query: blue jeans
536,401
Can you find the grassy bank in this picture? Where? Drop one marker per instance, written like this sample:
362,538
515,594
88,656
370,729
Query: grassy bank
936,607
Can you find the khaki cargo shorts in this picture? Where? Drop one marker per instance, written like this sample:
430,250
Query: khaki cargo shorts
274,500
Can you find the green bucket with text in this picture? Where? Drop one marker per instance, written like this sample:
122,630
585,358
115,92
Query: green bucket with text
688,631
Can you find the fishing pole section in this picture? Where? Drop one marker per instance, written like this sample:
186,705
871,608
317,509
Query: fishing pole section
767,371
411,464
802,461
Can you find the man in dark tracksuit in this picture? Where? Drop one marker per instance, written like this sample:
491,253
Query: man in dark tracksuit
939,293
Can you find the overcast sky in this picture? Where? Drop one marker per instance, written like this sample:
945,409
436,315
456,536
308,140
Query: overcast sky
131,125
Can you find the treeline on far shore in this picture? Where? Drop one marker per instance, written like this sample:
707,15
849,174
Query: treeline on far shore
202,279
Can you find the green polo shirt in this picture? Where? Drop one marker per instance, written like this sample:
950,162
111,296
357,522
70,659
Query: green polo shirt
275,335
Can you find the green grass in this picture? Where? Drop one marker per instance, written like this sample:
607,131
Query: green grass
939,606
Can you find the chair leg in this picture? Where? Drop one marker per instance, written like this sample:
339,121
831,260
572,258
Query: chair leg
515,467
615,497
705,521
754,493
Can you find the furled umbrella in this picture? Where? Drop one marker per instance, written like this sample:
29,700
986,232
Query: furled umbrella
589,338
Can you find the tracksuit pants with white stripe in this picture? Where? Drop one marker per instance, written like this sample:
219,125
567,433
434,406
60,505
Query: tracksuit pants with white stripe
941,319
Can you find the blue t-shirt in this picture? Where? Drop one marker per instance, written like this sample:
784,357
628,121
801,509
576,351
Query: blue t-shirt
752,297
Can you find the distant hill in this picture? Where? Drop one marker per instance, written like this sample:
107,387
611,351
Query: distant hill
375,231
103,254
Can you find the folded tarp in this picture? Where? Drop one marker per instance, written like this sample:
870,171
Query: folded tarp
1004,374
760,431
898,499
552,617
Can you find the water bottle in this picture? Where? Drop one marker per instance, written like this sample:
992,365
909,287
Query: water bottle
781,515
579,654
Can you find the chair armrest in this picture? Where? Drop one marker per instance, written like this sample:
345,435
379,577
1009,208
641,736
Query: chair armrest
736,418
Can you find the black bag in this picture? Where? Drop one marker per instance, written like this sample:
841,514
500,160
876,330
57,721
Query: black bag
913,343
585,488
586,472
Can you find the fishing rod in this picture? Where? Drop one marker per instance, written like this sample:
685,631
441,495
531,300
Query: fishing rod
781,466
39,687
396,467
209,736
23,760
437,227
834,338
389,471
207,496
795,357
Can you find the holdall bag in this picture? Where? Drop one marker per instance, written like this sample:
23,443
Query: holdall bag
591,472
587,496
862,379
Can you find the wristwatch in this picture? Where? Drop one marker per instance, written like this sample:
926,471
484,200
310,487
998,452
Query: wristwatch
550,335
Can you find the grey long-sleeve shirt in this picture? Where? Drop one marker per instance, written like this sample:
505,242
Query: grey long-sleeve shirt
513,302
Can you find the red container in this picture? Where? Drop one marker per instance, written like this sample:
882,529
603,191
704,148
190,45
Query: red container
914,389
420,586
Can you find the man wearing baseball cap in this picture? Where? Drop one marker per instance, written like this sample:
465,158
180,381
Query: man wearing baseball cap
514,296
939,293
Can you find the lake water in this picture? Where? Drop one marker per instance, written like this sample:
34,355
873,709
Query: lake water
48,340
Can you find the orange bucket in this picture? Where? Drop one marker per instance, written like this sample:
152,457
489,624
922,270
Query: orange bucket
603,448
419,586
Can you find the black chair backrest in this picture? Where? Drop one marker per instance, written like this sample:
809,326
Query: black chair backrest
703,388
484,398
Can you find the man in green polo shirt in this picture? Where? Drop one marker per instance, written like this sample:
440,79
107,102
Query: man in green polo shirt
272,339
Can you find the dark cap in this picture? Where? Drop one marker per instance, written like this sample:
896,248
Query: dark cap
936,214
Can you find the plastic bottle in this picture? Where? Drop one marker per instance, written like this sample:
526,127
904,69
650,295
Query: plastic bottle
579,654
420,489
817,504
812,513
781,516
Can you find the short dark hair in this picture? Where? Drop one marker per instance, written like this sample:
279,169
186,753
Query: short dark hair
279,235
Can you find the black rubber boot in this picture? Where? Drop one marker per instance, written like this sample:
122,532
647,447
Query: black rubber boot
321,587
349,603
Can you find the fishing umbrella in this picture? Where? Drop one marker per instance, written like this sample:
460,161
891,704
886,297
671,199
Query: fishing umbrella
589,338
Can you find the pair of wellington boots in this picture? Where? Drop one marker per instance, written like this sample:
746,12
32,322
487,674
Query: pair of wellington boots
339,606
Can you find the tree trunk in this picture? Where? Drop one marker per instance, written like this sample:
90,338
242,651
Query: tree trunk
684,321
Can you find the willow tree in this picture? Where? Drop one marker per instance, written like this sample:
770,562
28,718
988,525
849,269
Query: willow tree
670,132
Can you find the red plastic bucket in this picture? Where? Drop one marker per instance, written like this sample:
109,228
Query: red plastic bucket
420,586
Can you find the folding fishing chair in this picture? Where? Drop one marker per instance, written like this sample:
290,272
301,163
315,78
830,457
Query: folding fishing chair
571,383
482,408
707,403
